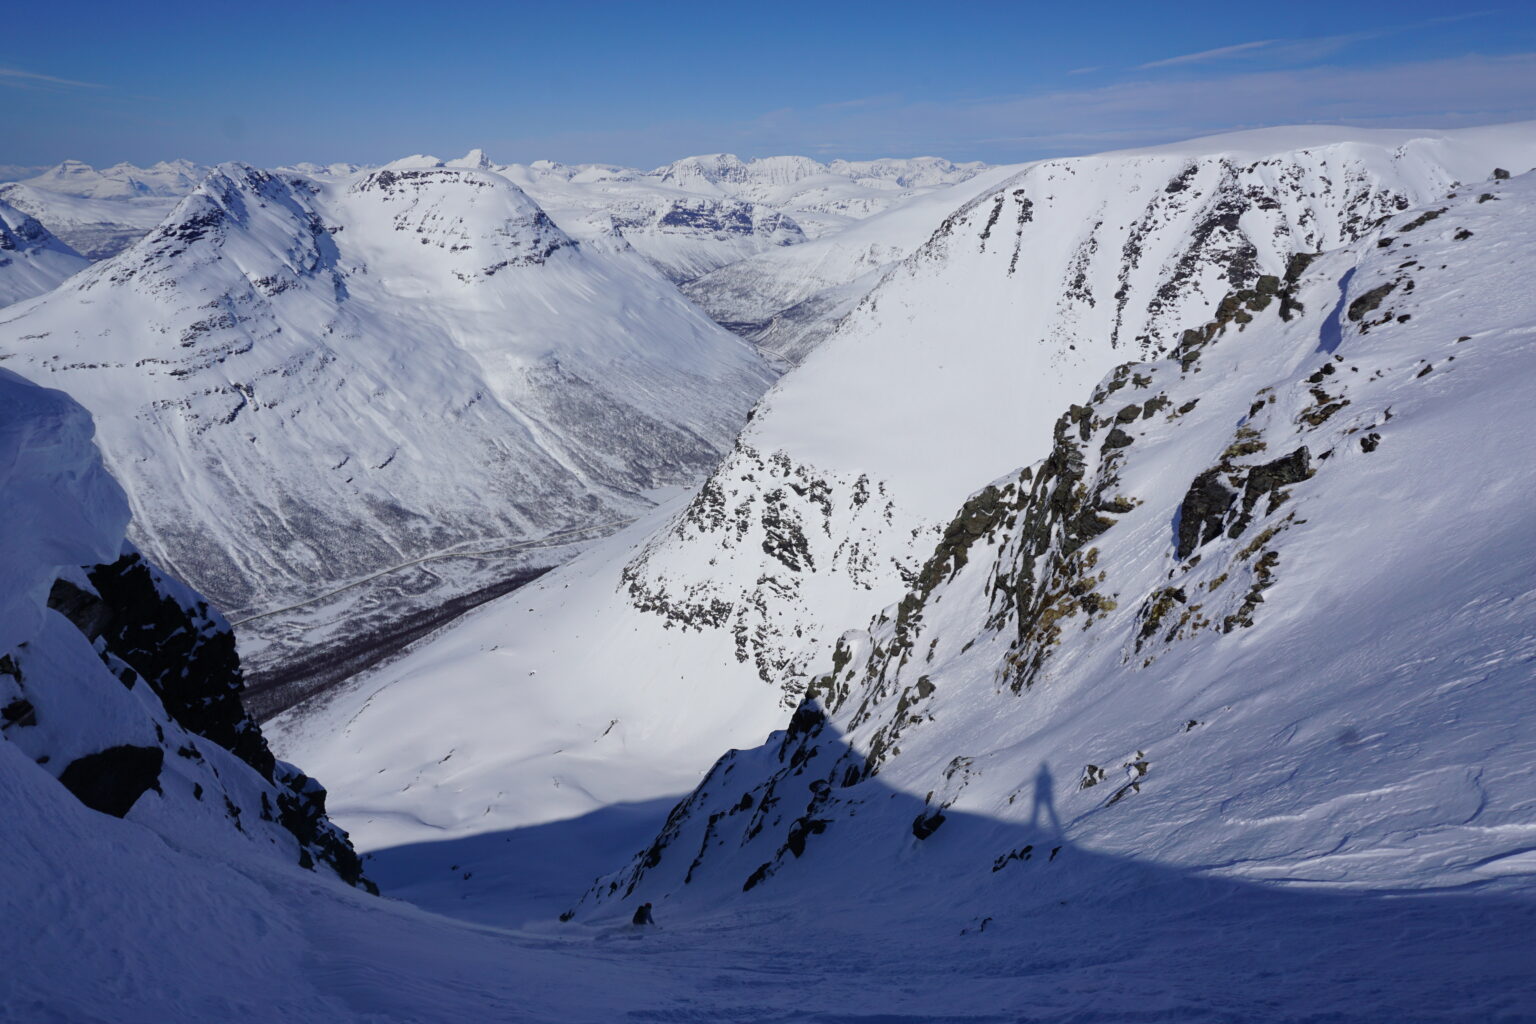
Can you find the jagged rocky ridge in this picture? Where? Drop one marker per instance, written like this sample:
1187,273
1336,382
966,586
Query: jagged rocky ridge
121,682
1261,610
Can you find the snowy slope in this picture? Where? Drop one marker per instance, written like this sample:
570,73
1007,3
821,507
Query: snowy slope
32,260
949,374
1315,813
1261,616
303,383
786,301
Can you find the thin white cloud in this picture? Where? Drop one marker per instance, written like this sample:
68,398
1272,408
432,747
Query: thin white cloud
19,78
1087,70
1205,55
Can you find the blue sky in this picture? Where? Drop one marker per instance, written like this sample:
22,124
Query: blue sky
644,83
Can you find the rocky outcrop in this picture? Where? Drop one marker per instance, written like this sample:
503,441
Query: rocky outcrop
150,629
112,780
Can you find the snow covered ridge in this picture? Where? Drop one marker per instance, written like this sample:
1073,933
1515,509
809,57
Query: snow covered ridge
99,213
118,681
955,365
303,382
168,178
1261,612
698,214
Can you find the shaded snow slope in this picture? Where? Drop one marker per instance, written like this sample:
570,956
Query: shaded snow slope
303,383
32,260
1261,613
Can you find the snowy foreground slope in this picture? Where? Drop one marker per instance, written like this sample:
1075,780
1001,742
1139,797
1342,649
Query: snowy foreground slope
615,678
302,383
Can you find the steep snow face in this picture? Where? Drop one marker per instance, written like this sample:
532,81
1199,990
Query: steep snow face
966,351
305,383
1261,613
119,687
32,260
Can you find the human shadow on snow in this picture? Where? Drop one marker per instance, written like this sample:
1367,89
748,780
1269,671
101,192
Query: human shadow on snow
1018,909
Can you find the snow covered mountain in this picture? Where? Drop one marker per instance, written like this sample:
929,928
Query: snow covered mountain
100,213
684,233
304,383
95,228
1217,711
824,197
697,630
702,213
787,301
32,260
1261,612
168,178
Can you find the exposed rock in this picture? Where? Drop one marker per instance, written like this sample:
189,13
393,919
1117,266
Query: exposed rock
111,781
1369,301
1202,514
